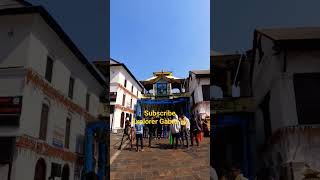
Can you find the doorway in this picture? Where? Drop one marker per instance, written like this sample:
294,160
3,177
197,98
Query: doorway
65,172
122,120
40,170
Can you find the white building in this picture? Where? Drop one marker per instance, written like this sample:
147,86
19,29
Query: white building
48,92
199,89
125,90
285,84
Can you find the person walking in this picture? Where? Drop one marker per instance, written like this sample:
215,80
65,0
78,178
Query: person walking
195,129
159,129
145,131
165,127
175,130
126,132
139,133
151,132
198,129
185,129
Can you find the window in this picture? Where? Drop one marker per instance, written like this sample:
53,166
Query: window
44,122
113,96
123,100
206,92
132,88
87,101
137,93
49,67
67,133
80,143
306,88
71,87
131,103
111,109
125,83
55,170
162,89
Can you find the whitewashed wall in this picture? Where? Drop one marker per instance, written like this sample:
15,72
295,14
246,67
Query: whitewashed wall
195,85
31,42
118,75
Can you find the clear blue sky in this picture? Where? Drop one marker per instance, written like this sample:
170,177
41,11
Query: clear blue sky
155,35
233,21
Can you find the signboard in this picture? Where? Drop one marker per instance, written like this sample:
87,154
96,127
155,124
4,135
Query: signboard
80,144
58,137
229,105
10,110
113,96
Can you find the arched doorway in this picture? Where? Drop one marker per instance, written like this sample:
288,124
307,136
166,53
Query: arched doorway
40,170
122,120
65,172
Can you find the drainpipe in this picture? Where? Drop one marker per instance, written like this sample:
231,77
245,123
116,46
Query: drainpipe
285,60
229,82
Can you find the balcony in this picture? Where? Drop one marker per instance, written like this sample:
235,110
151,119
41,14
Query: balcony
170,96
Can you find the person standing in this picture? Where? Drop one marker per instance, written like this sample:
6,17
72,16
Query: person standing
139,133
165,131
198,128
195,129
185,129
175,130
145,131
150,131
159,129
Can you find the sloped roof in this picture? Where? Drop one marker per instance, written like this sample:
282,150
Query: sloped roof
214,53
60,33
157,76
201,71
296,33
101,65
112,61
5,4
225,60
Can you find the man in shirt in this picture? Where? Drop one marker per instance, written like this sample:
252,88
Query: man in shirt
185,129
139,133
175,130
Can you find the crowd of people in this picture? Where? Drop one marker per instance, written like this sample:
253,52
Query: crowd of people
179,132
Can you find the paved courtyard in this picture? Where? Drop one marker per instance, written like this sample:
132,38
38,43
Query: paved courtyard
159,161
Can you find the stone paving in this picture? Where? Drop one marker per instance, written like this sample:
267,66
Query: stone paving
115,140
161,162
